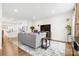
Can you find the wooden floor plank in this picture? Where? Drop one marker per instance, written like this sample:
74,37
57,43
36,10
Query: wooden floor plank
0,52
69,51
10,49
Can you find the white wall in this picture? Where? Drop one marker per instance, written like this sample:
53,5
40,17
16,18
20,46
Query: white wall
0,26
58,24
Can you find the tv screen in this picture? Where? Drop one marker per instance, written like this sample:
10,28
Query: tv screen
45,27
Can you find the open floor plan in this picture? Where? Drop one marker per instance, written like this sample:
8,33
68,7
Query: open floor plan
39,29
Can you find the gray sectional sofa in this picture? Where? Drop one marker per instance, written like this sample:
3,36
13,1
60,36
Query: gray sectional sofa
31,39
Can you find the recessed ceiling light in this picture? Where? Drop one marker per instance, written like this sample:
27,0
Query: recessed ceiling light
34,17
16,10
53,11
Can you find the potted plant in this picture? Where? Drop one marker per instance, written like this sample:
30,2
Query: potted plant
32,28
68,27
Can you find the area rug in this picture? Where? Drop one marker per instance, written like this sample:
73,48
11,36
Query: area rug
55,49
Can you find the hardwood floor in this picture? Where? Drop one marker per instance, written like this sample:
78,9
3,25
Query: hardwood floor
0,52
69,51
10,49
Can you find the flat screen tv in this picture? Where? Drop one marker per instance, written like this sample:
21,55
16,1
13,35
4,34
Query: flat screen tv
45,27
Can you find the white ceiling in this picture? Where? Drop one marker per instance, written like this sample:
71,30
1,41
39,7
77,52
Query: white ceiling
34,11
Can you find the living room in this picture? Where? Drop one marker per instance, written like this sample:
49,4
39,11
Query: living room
31,23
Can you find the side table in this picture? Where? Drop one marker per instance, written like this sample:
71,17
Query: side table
45,42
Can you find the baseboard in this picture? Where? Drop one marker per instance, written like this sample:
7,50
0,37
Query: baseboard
59,41
0,52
